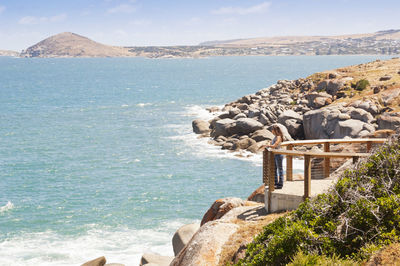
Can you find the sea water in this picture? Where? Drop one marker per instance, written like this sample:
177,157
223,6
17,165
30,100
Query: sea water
97,156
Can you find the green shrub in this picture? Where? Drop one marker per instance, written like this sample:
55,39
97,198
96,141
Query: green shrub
361,84
302,259
360,214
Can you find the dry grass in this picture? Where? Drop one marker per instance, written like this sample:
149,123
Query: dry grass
389,255
245,234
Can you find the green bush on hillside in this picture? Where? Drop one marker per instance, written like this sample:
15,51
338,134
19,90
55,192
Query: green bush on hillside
360,214
361,84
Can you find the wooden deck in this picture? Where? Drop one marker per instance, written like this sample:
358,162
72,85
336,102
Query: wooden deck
290,196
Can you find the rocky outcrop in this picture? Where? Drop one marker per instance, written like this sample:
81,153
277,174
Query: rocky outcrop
200,126
206,245
220,207
182,236
337,122
389,121
258,195
96,262
151,259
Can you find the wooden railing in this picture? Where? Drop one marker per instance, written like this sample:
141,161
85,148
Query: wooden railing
289,152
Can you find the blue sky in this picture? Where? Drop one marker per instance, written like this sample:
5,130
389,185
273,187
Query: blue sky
177,22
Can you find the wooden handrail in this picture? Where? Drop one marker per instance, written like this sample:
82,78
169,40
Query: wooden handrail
331,141
320,154
269,162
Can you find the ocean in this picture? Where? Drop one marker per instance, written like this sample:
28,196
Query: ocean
98,158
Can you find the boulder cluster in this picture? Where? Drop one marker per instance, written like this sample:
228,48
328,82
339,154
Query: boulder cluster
303,110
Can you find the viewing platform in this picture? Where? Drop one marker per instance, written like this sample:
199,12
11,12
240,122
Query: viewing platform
318,170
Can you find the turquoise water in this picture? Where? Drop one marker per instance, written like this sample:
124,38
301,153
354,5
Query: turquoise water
97,155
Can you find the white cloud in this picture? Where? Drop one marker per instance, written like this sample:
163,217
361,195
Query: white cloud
32,20
260,8
124,8
2,8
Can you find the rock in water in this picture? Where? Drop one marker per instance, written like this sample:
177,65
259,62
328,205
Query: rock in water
222,127
200,126
96,262
182,236
155,259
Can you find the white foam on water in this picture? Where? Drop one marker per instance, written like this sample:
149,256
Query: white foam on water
120,245
7,207
143,104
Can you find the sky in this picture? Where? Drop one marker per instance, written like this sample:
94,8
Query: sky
185,22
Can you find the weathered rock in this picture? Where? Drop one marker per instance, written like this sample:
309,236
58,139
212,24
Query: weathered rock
220,207
238,116
289,114
243,144
367,105
150,258
330,86
258,195
222,127
200,126
206,245
327,123
360,114
182,236
263,119
389,121
286,135
117,264
245,126
318,100
385,78
262,134
389,96
96,262
227,146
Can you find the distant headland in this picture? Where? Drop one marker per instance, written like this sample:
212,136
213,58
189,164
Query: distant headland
69,44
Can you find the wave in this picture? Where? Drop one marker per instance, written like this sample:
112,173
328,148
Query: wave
8,206
120,245
143,104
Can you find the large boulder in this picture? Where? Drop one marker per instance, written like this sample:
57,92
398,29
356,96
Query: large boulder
243,144
155,259
200,126
96,262
318,99
222,127
262,134
360,114
206,245
245,126
293,122
389,121
286,135
220,207
331,86
331,123
258,195
182,236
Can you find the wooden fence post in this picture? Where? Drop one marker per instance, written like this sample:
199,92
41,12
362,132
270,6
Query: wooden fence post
327,161
271,177
369,146
289,165
307,176
265,167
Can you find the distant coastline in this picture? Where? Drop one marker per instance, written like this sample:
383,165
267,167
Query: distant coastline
71,45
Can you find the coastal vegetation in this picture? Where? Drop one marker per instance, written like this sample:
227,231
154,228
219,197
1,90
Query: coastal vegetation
357,217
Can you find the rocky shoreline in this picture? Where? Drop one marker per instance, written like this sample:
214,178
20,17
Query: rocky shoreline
323,106
358,101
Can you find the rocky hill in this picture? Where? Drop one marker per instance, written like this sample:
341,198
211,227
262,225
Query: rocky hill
69,44
73,45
